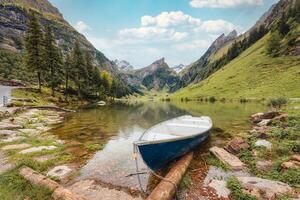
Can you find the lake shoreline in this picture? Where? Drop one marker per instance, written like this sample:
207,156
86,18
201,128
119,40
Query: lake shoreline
88,152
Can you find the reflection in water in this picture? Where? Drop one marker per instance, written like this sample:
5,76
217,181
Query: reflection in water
119,125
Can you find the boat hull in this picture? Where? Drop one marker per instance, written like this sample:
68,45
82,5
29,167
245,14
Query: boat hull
158,155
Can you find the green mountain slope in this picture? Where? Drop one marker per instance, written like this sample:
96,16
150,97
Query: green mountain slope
253,74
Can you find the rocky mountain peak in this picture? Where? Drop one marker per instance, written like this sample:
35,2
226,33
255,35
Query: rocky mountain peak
160,61
123,65
232,35
43,6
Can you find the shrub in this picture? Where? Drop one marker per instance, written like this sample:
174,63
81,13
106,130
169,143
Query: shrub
212,99
277,102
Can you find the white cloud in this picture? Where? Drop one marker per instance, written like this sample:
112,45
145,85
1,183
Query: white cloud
167,19
216,26
223,3
196,44
152,33
82,27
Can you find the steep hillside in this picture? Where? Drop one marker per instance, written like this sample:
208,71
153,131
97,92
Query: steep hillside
13,19
216,58
253,74
190,73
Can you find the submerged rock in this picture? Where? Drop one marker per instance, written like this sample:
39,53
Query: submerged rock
60,172
267,188
231,160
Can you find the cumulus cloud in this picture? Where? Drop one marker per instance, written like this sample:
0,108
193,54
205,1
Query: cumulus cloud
173,26
82,27
167,19
223,3
196,44
215,26
152,33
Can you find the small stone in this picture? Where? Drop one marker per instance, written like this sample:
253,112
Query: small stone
290,165
220,187
227,158
262,135
281,117
296,158
236,145
270,189
263,143
37,149
264,165
61,142
60,172
264,122
13,139
15,146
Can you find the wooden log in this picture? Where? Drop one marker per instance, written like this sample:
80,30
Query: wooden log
59,192
165,190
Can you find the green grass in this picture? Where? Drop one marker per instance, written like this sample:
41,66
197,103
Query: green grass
15,187
236,190
251,75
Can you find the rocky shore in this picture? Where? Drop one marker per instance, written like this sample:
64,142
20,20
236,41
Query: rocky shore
265,164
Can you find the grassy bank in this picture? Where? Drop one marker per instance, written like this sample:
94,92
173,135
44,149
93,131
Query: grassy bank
33,97
251,75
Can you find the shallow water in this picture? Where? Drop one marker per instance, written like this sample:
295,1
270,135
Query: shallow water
119,125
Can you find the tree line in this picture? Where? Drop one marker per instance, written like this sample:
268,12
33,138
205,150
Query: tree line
285,28
73,72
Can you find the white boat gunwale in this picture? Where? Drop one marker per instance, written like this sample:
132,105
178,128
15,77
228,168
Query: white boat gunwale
147,142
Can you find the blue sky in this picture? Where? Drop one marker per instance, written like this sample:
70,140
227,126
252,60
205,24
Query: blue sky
142,31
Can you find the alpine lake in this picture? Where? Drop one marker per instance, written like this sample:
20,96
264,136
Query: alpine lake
112,129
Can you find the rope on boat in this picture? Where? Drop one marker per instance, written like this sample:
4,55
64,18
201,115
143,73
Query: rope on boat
135,150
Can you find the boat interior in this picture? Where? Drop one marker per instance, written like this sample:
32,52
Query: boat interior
183,126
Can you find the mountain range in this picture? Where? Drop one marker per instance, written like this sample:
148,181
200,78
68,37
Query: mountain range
222,55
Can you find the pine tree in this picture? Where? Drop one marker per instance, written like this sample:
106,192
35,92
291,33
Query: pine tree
80,72
67,70
273,45
52,59
33,47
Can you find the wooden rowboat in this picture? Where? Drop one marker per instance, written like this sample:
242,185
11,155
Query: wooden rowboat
171,139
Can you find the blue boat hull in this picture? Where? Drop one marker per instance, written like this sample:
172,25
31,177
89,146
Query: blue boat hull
157,156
